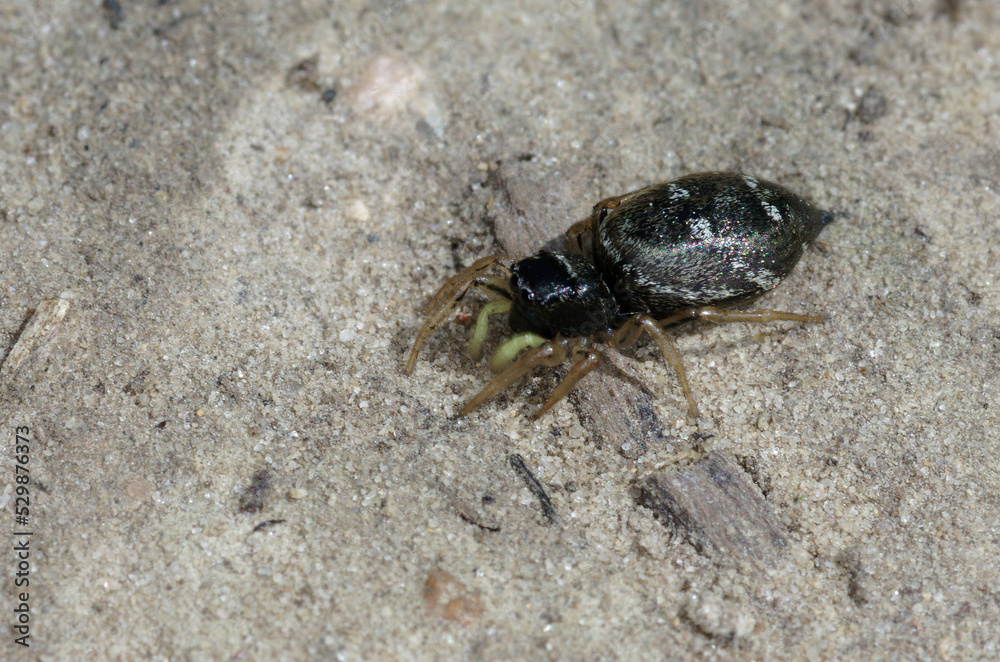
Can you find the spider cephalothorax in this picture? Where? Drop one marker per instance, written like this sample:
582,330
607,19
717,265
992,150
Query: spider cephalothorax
560,294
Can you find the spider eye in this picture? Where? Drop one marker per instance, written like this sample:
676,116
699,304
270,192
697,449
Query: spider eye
525,296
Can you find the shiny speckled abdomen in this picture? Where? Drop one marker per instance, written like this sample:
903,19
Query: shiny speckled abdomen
714,238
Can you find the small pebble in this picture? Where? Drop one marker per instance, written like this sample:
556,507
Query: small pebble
356,210
387,83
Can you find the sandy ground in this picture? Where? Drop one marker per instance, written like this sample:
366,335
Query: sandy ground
219,222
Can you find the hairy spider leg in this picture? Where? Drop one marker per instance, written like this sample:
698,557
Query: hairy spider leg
550,353
586,360
636,325
446,298
720,316
580,237
633,328
455,286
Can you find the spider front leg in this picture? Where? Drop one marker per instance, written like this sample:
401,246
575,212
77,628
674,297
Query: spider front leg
455,286
543,352
448,296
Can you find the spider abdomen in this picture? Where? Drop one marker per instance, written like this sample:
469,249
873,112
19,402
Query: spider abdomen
712,238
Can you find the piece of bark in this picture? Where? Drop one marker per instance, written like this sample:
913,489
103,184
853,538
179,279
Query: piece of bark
718,509
525,212
713,503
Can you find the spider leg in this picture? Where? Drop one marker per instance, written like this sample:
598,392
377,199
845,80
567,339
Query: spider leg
446,298
602,207
432,322
630,331
455,286
551,353
588,361
579,237
720,316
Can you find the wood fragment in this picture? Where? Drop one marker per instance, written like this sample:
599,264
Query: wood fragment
517,462
718,509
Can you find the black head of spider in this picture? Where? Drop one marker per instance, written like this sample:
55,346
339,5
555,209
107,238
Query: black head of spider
560,293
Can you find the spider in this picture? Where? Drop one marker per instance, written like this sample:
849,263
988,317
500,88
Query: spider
641,262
